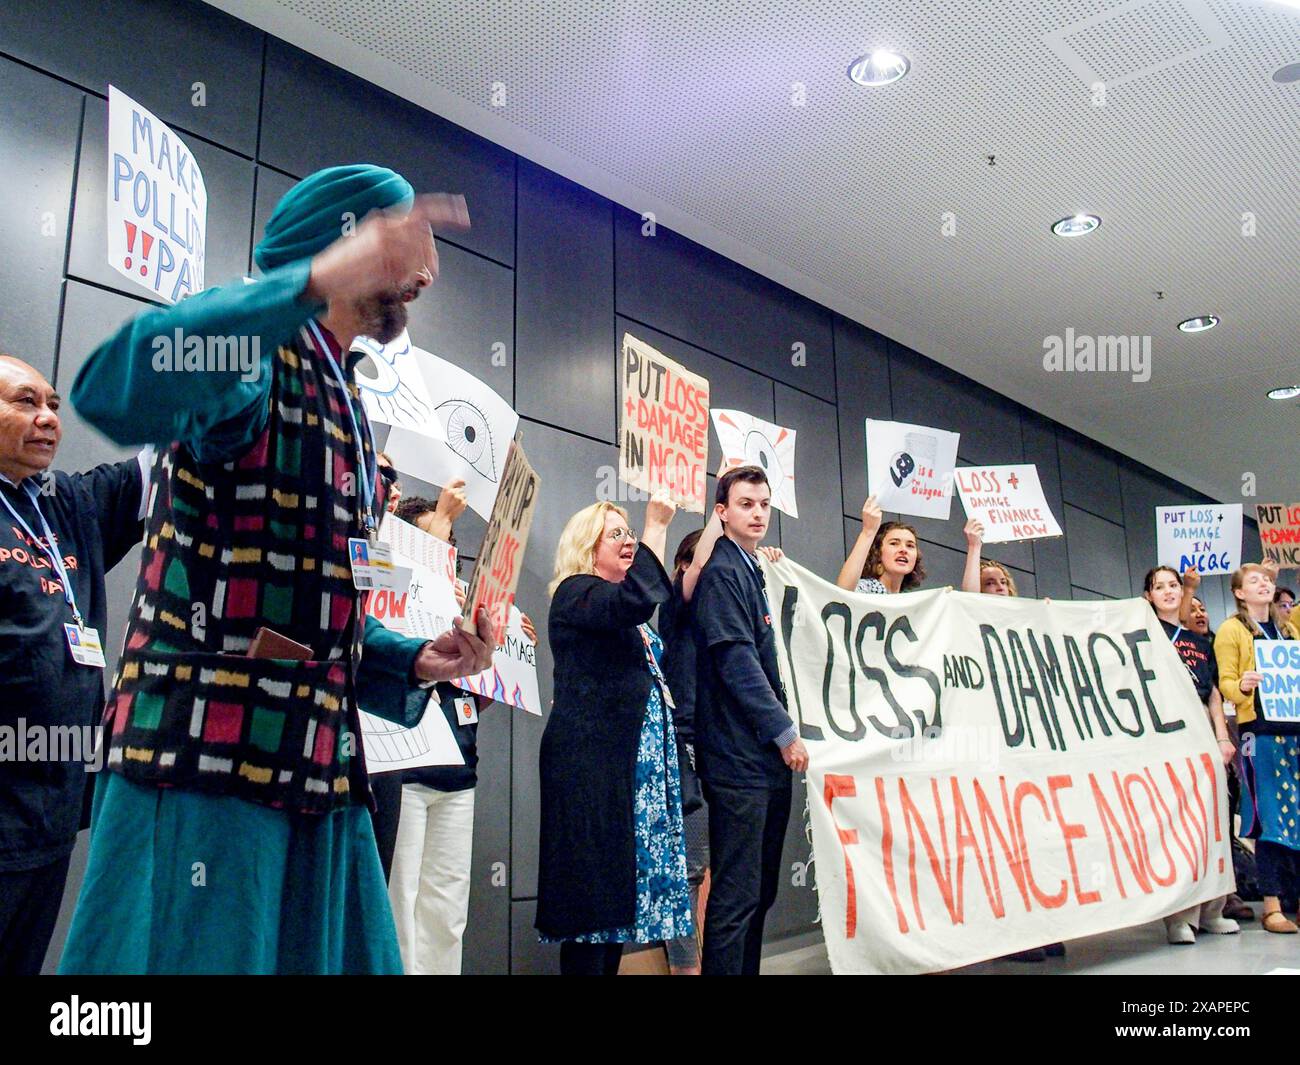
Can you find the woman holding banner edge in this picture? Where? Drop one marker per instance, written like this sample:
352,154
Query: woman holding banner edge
1163,589
1270,786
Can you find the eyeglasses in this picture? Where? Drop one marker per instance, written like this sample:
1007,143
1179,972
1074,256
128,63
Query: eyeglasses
617,536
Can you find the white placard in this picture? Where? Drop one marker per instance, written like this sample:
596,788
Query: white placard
910,468
477,429
1278,696
392,387
1007,500
750,441
513,676
157,203
1206,536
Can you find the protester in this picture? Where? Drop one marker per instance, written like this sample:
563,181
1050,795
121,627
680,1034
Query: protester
1271,768
1163,589
59,535
432,829
237,783
1285,600
995,579
887,558
746,745
612,859
677,631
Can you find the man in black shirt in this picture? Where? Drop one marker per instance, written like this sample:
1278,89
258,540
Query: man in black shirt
59,534
745,743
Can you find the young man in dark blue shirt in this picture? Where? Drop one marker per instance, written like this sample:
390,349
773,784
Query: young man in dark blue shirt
746,745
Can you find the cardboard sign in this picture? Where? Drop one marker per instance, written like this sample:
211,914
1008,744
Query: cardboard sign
1278,695
496,570
513,676
664,425
476,427
910,468
1008,500
1207,536
989,774
750,441
157,203
1279,533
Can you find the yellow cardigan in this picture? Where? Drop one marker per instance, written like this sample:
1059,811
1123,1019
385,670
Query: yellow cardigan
1234,650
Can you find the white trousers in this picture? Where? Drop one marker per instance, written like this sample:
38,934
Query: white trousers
1205,911
429,885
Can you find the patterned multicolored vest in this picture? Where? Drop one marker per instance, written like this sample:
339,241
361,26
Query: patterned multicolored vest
229,548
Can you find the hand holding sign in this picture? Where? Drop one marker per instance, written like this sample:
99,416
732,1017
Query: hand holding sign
456,653
872,516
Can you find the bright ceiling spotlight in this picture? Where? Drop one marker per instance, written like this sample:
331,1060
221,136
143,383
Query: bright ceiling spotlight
1286,392
879,67
1076,225
1199,324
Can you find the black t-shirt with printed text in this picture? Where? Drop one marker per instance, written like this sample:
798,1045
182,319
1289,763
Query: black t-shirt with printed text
94,516
1197,653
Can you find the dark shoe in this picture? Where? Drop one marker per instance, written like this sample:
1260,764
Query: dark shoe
1237,910
1054,950
1032,954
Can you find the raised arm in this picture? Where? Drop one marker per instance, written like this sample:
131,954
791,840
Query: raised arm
703,552
128,391
851,571
1191,581
970,579
590,602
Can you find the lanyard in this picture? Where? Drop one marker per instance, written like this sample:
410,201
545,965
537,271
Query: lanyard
1177,632
55,560
368,481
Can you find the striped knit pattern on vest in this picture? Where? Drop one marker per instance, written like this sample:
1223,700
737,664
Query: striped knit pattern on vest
229,548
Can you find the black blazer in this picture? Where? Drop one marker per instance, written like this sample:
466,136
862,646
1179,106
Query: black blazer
586,880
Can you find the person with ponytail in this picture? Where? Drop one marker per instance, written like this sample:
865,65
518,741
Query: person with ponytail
1163,589
1269,749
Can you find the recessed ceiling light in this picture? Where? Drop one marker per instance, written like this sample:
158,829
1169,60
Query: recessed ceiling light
1199,324
1076,225
1287,392
1287,74
879,67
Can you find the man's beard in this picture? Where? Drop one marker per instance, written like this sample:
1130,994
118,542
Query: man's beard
383,317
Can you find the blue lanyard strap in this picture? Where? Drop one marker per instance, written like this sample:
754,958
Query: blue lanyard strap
50,547
368,478
1177,632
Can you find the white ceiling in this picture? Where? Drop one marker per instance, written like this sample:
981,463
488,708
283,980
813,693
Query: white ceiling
685,109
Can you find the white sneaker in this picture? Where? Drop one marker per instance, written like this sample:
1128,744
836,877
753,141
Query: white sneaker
1182,932
1219,926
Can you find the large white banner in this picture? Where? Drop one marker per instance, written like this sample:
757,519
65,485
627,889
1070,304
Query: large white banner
991,774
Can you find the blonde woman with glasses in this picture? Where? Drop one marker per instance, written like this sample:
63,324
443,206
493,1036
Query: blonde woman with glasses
612,855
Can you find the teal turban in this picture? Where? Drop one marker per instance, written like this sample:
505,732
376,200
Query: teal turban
311,215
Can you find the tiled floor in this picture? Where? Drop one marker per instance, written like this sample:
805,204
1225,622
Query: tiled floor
1132,951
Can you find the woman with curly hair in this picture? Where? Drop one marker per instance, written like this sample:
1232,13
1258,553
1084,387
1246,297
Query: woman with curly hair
887,557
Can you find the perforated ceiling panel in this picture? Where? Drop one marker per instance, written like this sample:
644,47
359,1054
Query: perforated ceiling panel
736,122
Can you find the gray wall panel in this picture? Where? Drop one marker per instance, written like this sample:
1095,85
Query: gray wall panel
1089,476
38,143
154,52
816,539
862,380
1051,556
565,305
716,304
315,115
1098,555
487,928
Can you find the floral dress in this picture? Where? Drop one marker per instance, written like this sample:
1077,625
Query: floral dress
663,898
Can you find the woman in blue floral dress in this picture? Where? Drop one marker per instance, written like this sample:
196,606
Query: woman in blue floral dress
612,857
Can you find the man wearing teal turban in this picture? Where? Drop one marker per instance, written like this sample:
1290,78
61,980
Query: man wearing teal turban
231,832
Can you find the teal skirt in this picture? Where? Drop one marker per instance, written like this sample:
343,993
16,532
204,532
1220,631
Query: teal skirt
182,882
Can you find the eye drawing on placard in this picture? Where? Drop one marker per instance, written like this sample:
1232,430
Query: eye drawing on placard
759,451
468,435
376,372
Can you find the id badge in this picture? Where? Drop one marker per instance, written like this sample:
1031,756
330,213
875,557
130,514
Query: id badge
466,711
85,646
372,567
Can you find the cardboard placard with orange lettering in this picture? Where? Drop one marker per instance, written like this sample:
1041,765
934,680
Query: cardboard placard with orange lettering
663,439
501,559
1279,533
